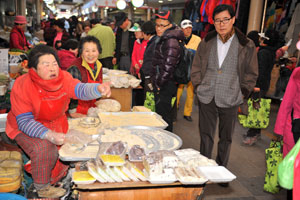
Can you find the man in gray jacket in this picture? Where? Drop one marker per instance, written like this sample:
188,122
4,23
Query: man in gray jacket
224,72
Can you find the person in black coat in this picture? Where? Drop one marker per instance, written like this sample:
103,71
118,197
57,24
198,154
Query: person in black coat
148,28
266,56
165,59
124,42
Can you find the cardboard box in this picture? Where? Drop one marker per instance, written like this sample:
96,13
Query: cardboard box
123,96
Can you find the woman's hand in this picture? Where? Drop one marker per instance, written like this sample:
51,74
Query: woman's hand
114,61
54,137
104,89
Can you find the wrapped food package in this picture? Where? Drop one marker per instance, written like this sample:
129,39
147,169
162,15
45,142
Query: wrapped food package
82,177
136,153
101,169
135,171
121,174
108,105
92,169
160,165
189,175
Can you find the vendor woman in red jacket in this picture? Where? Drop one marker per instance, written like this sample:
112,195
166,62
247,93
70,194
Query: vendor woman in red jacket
17,37
37,120
87,69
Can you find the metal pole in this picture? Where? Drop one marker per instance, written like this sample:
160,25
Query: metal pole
263,17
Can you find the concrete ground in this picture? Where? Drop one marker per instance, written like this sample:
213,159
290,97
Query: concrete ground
246,162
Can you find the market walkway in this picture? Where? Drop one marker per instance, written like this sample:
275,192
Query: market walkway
246,162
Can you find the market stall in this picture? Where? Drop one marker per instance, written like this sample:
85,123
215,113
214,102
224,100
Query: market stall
129,155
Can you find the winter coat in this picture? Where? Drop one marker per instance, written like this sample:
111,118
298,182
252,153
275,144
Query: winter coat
148,56
166,56
65,58
131,40
291,100
18,40
266,60
247,62
138,54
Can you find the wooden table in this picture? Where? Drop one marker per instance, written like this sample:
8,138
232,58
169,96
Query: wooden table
140,191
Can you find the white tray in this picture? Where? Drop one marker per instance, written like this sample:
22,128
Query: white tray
217,174
192,183
161,181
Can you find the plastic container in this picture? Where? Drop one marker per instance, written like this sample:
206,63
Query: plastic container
112,160
82,177
11,196
217,174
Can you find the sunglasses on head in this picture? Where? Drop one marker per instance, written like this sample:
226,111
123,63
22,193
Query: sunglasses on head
187,23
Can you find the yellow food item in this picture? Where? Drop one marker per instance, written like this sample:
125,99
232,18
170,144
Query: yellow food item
82,176
14,155
9,174
9,187
10,170
112,159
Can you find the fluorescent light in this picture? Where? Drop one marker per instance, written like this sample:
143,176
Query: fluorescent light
137,3
160,1
121,4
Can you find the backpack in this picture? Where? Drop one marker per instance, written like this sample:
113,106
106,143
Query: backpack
182,73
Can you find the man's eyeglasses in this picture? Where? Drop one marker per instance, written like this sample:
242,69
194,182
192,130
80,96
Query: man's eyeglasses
224,21
187,23
161,25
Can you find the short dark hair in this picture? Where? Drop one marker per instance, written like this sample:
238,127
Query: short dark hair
37,52
89,38
70,44
273,38
60,23
223,7
253,35
94,21
148,28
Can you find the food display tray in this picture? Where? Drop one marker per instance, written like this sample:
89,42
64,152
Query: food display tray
164,141
157,116
217,174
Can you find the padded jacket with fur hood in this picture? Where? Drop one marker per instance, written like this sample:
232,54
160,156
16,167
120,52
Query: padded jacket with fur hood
166,56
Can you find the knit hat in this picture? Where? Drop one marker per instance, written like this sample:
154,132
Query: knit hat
120,18
186,23
135,28
20,19
164,14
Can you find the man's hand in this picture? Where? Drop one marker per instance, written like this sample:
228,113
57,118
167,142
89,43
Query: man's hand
104,89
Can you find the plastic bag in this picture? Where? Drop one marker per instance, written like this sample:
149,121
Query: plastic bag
108,105
150,101
273,158
77,137
286,168
93,112
256,118
296,193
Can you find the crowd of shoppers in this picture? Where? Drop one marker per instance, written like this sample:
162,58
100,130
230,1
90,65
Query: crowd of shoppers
228,68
